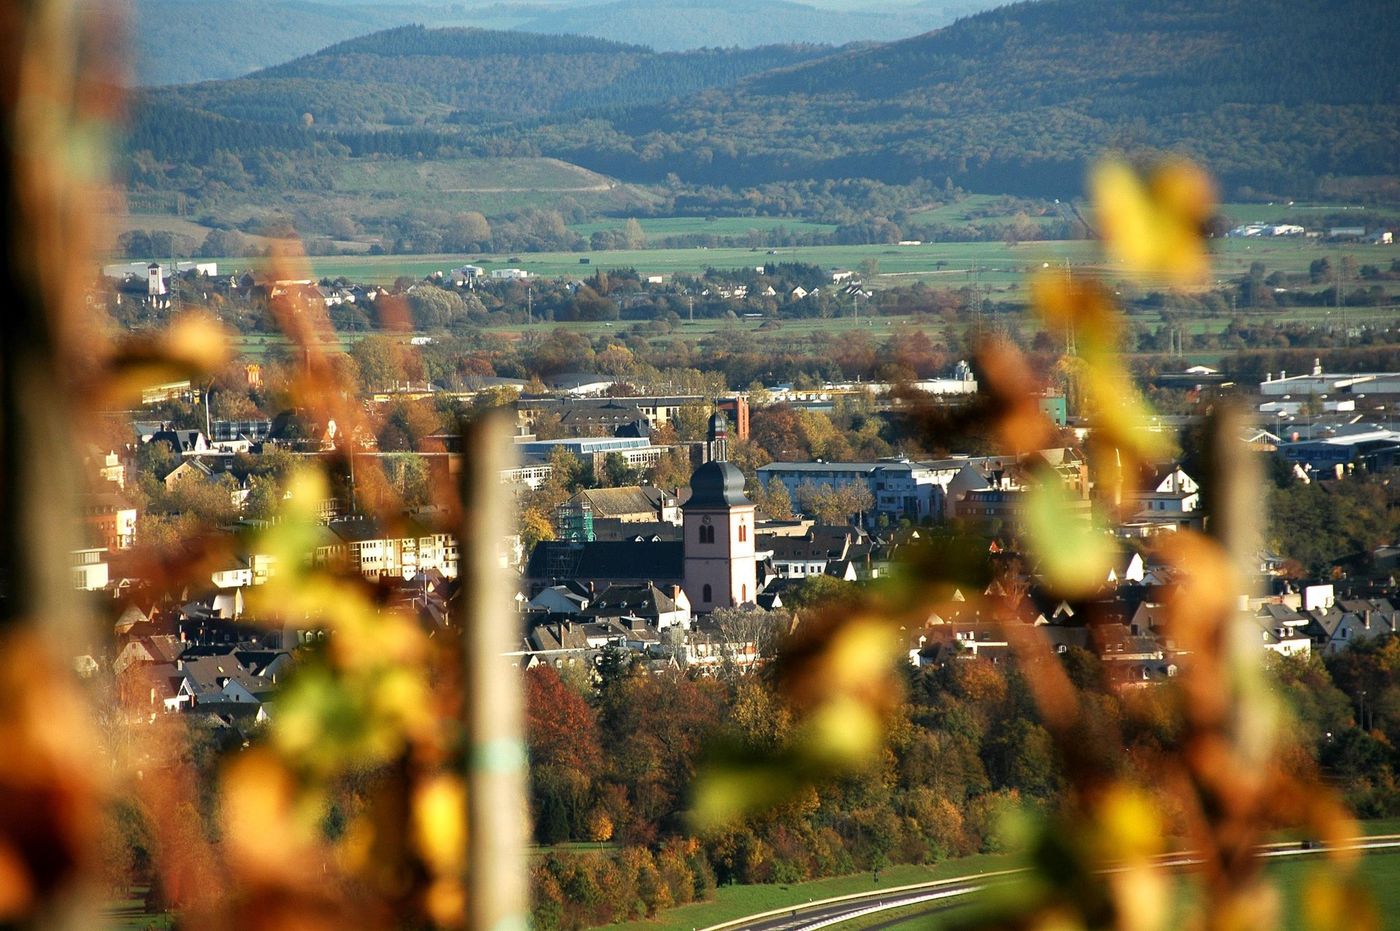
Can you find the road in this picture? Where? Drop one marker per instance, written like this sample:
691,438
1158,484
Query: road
946,893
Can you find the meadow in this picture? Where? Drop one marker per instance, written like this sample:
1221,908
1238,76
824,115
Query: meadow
660,227
996,265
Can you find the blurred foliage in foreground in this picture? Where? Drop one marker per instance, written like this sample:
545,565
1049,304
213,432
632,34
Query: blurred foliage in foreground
1223,773
353,810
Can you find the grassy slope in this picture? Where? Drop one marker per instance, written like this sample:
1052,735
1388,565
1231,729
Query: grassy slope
737,901
1379,872
999,265
719,226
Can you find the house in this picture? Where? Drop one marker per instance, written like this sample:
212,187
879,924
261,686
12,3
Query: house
660,609
379,553
567,598
110,521
213,683
1283,639
801,557
191,470
581,384
182,442
90,570
1171,496
147,651
958,642
629,504
1336,627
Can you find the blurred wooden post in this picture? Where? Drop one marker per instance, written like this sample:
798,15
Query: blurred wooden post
1238,483
497,829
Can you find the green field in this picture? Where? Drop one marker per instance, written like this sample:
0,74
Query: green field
737,901
985,208
949,263
1379,872
489,185
998,266
659,227
1303,214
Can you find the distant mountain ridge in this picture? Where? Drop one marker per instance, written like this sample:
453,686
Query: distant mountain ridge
1271,95
186,41
410,75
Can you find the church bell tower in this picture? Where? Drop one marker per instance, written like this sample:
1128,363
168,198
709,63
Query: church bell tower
721,570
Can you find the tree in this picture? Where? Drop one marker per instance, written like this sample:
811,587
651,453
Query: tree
561,729
633,234
434,308
406,424
380,362
832,505
692,421
264,498
774,500
408,474
819,590
672,470
747,635
535,526
467,232
616,471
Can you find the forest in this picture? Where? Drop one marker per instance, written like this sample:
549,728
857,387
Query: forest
1014,100
613,764
412,75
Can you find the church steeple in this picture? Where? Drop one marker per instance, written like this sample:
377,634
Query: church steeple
718,523
719,437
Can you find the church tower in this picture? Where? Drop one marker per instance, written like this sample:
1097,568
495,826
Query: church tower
718,521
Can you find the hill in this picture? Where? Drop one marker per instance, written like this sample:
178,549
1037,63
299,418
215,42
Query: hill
1270,93
185,41
412,76
182,41
686,24
1275,97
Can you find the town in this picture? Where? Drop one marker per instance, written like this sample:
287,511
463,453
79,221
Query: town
726,465
659,527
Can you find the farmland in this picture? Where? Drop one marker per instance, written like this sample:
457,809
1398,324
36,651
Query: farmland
489,185
660,227
998,265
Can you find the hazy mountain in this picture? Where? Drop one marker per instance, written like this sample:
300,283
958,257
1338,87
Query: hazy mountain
686,24
181,41
415,76
184,41
1270,94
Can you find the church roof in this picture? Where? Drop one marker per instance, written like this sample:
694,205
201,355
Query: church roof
661,562
717,485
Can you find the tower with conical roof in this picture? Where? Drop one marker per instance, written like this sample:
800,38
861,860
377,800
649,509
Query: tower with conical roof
718,520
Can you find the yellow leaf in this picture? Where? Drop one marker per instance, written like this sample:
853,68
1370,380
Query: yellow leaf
1153,225
1073,550
440,823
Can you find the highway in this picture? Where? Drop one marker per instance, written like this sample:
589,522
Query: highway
946,893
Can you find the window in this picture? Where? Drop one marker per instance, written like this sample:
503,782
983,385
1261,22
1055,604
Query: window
705,595
707,533
743,593
743,533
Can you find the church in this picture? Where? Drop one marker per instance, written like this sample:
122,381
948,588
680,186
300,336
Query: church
714,562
